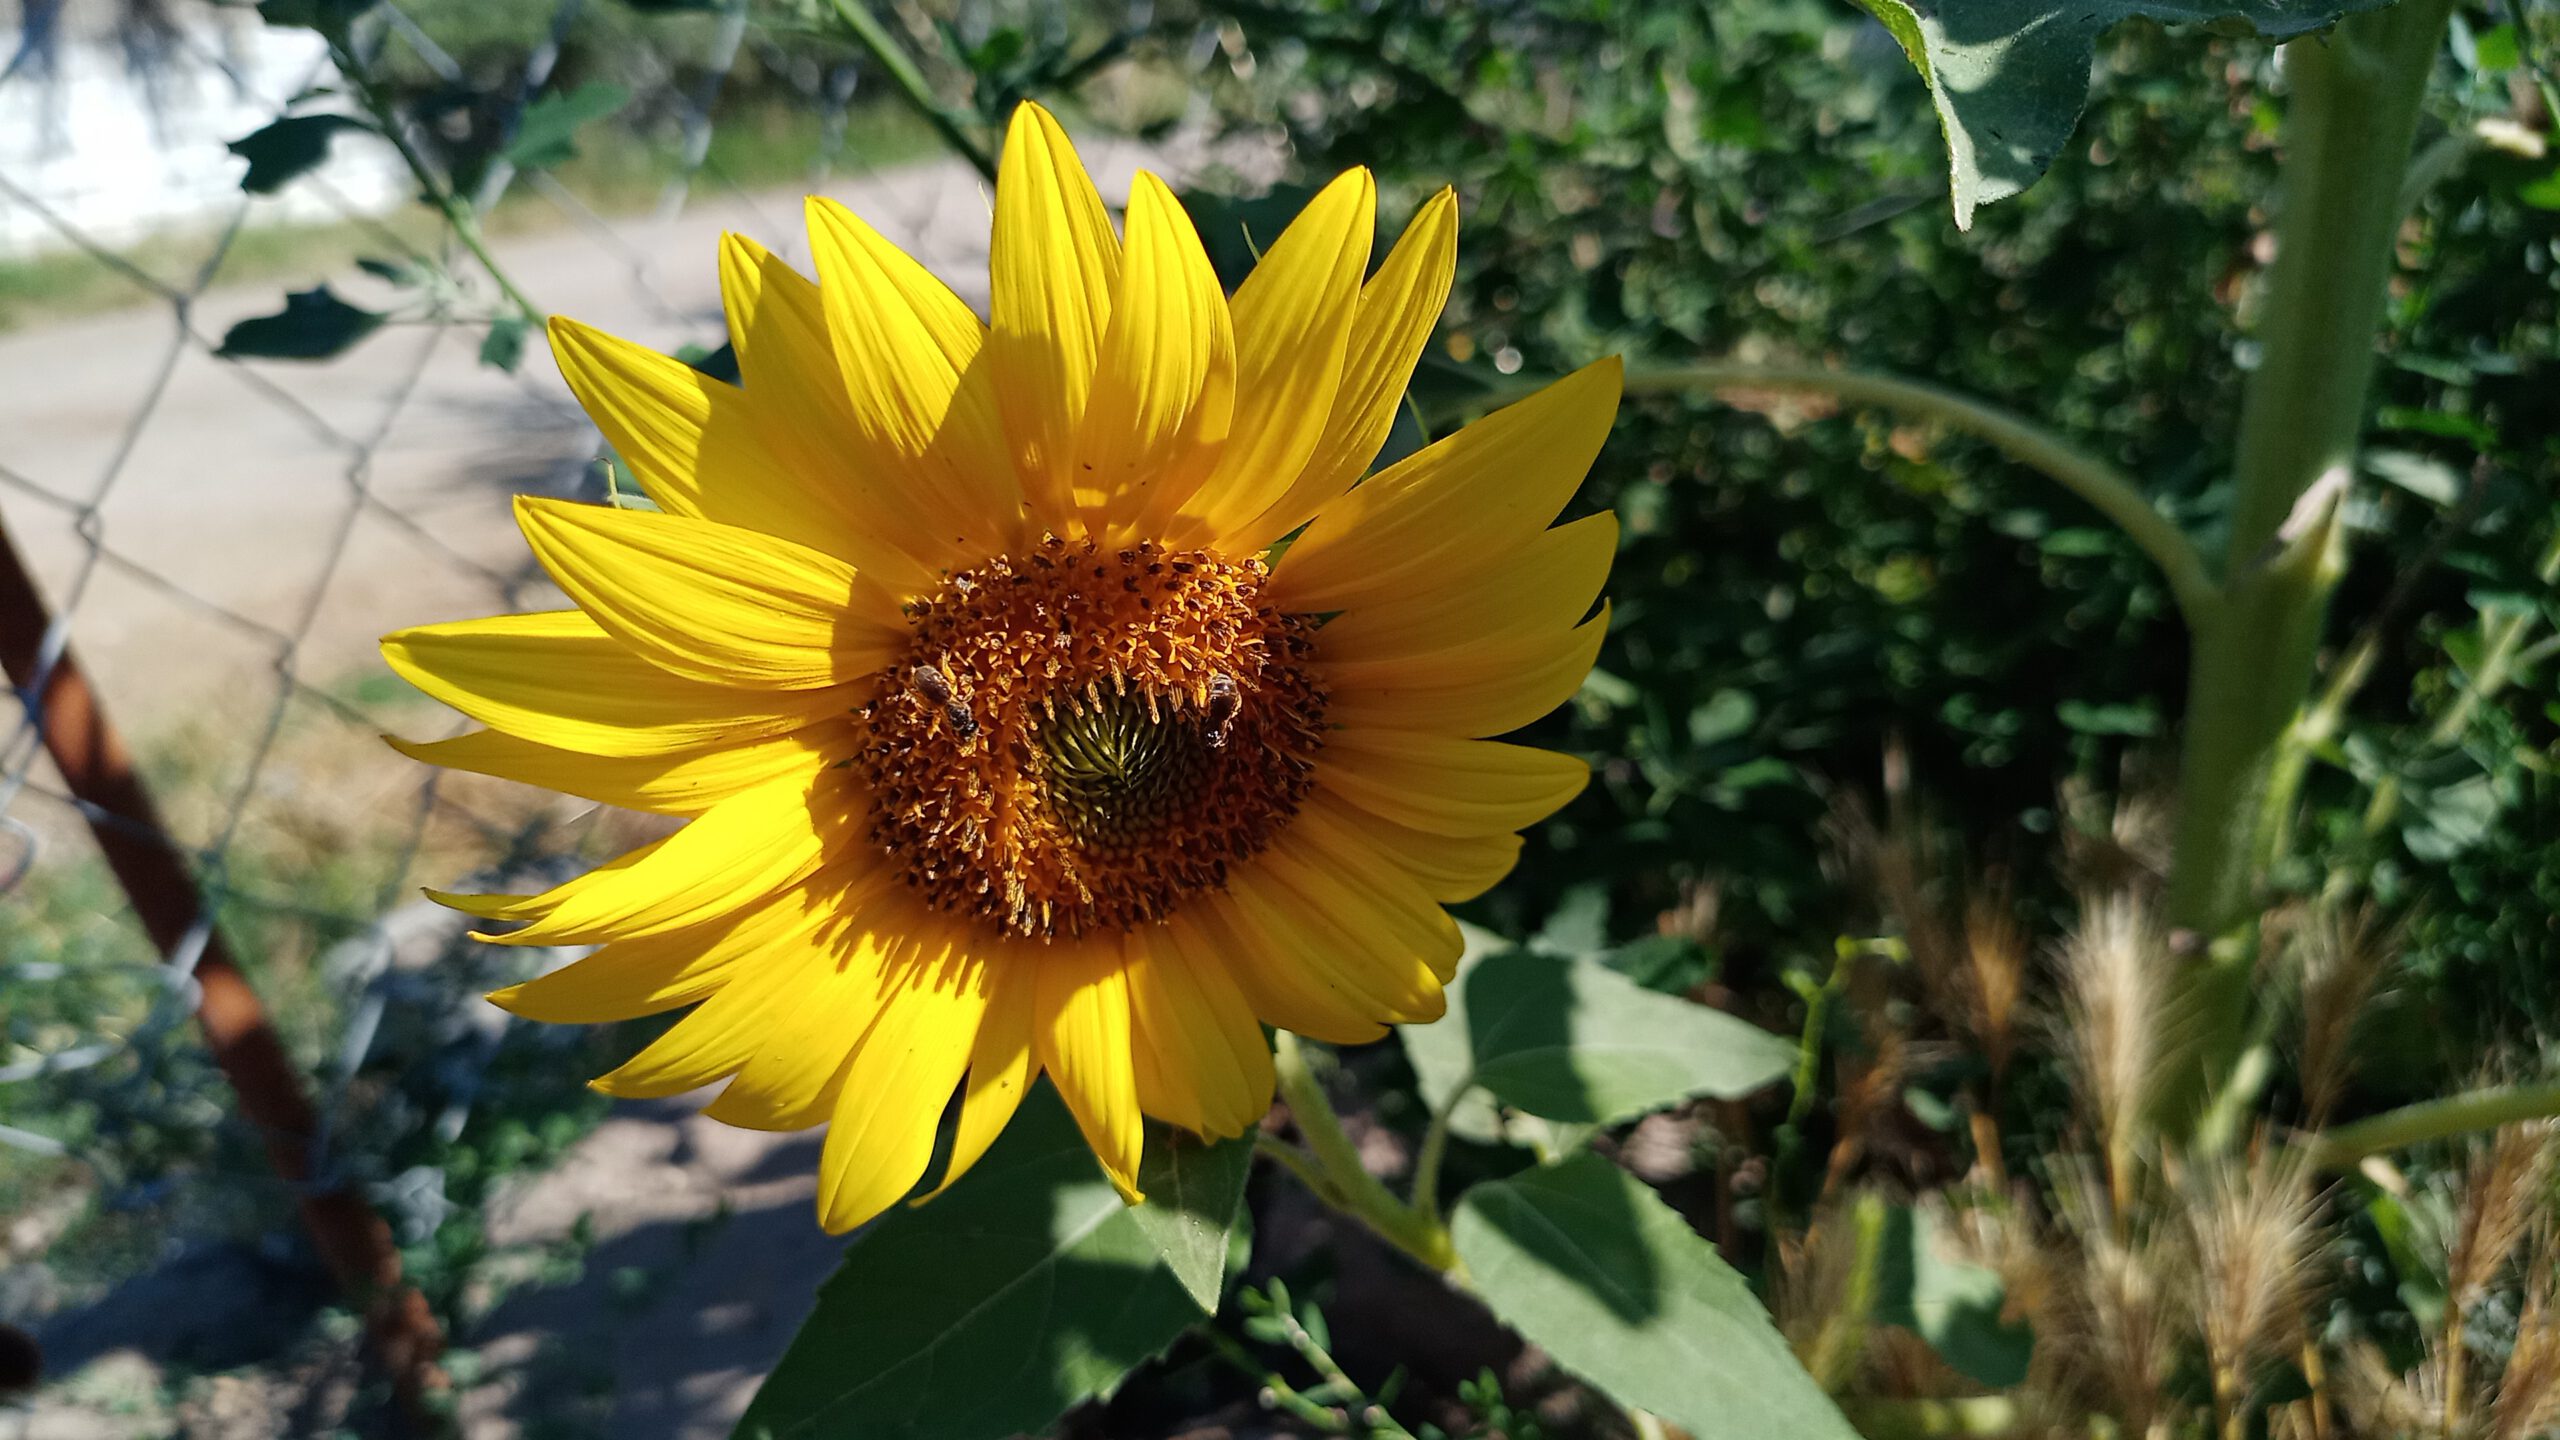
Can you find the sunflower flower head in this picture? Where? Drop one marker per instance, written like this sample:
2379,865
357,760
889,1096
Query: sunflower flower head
1007,739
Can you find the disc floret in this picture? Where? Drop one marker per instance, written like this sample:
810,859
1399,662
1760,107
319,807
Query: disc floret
1080,737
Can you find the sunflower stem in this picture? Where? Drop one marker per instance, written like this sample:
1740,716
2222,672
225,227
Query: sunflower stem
1435,1150
1338,1178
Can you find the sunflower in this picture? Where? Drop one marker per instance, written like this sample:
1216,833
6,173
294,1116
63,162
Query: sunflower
1008,737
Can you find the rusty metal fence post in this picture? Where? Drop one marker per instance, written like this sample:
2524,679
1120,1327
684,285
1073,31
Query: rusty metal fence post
98,771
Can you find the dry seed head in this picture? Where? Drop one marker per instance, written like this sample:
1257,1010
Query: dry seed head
2257,1237
2123,1308
2374,1398
2528,1400
1995,949
2341,955
2113,1014
2506,1191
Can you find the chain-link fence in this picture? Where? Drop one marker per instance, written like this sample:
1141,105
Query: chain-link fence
249,425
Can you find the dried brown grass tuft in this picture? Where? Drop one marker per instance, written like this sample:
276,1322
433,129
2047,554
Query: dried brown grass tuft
2256,1229
2113,1011
2341,956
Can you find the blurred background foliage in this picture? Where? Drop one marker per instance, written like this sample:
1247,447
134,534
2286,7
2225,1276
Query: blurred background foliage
1801,593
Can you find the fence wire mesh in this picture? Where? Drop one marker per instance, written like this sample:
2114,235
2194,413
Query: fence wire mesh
220,538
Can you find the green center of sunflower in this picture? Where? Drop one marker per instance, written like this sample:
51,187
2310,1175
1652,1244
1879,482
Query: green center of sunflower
1078,738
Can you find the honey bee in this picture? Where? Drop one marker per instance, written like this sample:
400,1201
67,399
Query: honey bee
935,687
1224,702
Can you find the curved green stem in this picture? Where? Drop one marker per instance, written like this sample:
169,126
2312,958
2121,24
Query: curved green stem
1434,1151
1332,1167
2109,490
2343,1145
904,73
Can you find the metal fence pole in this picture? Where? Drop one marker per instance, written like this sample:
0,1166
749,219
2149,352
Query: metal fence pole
99,773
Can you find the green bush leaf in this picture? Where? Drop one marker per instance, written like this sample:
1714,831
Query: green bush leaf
1588,1264
313,325
1953,1304
503,346
988,1312
286,148
548,134
1195,1193
1574,1040
2009,77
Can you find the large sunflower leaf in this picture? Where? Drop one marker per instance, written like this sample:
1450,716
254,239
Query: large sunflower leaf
1195,1194
1028,1289
1592,1267
1574,1041
2010,76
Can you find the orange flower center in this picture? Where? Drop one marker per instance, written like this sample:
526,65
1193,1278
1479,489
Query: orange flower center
1079,738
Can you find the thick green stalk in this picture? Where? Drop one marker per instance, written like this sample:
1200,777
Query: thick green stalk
2349,130
2342,1146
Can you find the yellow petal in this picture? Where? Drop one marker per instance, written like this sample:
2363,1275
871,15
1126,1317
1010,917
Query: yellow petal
1081,1030
1366,973
1002,1064
740,850
705,449
788,1082
557,679
686,783
899,1081
1054,268
1457,507
1293,315
1282,987
714,603
1447,786
527,907
1374,909
1472,692
1547,585
630,978
930,446
1211,1066
1450,869
1165,386
721,1033
1398,308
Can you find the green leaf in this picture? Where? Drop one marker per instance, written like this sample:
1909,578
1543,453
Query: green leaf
329,17
1727,714
1575,1044
2009,77
1195,1193
1027,1289
2542,194
1592,1267
2427,478
313,325
548,133
2497,49
2129,718
286,148
1955,1305
1573,1040
503,346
